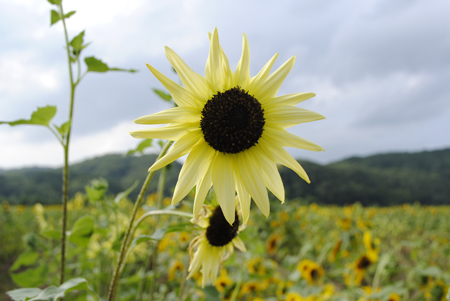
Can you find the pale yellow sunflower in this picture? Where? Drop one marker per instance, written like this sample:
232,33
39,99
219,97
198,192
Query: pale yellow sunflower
214,245
233,127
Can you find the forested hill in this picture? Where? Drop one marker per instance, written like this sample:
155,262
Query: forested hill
383,180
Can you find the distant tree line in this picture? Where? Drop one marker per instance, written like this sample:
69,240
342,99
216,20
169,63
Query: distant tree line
380,180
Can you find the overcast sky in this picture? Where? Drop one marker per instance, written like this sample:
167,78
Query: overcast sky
380,69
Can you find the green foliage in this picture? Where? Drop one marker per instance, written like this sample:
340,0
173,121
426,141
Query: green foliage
28,271
96,189
82,231
163,95
124,194
211,293
96,65
144,238
54,17
55,2
77,44
146,143
393,182
41,116
51,293
63,129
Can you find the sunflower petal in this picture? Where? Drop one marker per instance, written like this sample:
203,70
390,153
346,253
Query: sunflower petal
194,82
269,88
173,115
256,81
171,132
292,99
179,94
223,181
284,138
244,200
287,116
214,67
196,165
239,244
203,186
179,149
242,74
271,176
250,175
280,155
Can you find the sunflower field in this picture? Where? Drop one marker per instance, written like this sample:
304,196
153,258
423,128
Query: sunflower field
226,232
301,252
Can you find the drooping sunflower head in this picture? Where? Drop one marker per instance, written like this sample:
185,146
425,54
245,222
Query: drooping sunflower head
233,126
214,245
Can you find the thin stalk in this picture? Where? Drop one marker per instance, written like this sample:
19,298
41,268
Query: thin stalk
127,237
66,154
154,256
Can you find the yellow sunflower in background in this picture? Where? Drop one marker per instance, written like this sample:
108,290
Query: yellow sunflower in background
233,127
311,271
214,245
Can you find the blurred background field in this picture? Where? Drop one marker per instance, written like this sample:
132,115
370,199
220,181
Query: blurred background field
301,252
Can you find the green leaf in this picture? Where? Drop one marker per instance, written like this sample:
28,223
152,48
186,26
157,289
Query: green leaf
77,42
54,17
27,258
69,14
24,294
63,129
96,189
211,293
140,148
55,234
41,116
143,238
125,193
163,95
27,272
82,231
56,2
96,65
51,293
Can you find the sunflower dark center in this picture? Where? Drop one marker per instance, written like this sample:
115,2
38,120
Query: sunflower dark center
364,263
219,232
232,121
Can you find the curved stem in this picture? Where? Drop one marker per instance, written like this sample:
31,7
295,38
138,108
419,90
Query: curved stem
127,237
159,212
65,188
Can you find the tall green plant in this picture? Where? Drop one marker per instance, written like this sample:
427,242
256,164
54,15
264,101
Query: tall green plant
42,116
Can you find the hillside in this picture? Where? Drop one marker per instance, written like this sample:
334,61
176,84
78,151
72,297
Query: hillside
385,179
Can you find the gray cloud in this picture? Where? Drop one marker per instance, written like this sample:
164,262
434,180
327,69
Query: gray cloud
379,68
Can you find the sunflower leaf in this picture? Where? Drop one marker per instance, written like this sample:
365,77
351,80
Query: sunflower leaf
125,193
69,14
143,238
211,293
63,129
82,231
54,17
41,116
56,2
51,293
96,65
23,294
77,42
163,95
140,148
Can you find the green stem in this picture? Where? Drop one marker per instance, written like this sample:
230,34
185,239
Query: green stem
154,257
127,238
66,154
